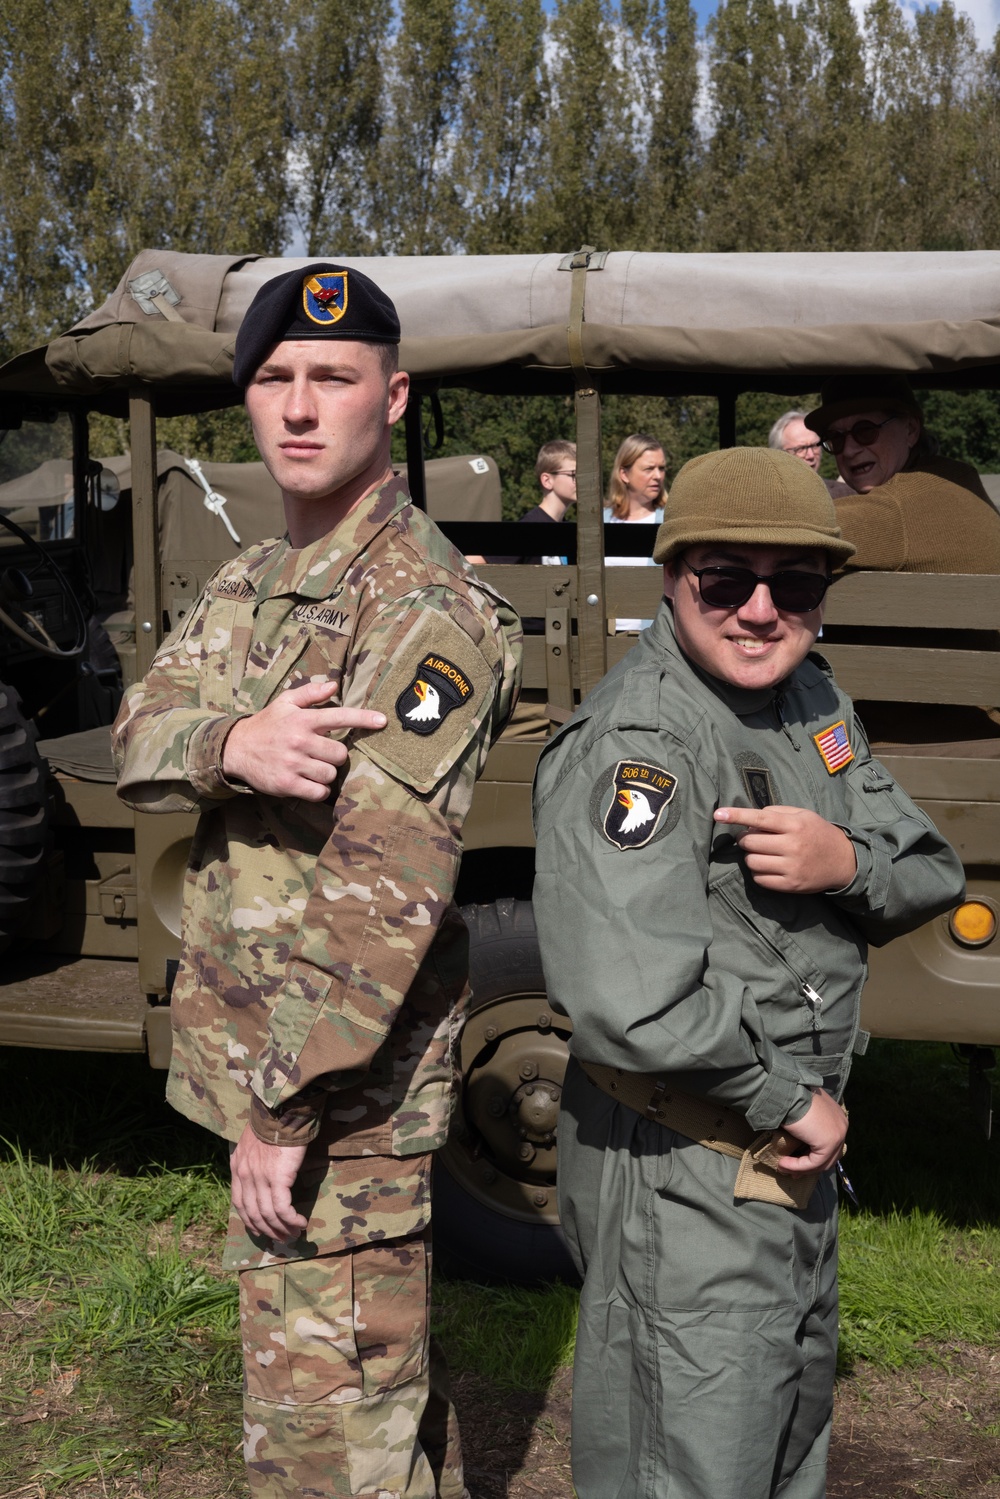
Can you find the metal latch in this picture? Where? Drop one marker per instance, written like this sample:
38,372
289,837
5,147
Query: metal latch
116,896
584,259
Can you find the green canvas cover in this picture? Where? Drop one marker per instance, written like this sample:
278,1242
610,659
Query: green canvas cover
697,322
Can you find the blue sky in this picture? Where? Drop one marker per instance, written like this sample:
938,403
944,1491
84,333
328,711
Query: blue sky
985,14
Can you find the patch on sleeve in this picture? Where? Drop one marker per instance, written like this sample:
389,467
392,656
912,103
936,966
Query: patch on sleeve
629,802
437,689
437,693
834,746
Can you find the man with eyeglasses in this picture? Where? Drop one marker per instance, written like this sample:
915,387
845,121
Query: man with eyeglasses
790,434
914,511
729,846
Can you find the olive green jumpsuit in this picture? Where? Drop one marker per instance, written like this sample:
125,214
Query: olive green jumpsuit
707,1339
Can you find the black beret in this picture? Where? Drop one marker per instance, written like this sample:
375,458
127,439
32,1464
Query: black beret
318,301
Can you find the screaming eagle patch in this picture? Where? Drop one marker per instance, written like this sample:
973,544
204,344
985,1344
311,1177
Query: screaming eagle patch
640,794
436,689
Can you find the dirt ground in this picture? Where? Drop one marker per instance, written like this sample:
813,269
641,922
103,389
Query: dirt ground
927,1433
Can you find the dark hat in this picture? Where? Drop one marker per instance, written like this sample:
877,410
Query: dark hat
749,497
318,301
846,394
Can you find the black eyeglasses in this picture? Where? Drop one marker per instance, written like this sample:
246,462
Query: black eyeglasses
731,587
864,434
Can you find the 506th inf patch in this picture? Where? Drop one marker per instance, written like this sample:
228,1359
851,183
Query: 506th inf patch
324,297
641,794
437,688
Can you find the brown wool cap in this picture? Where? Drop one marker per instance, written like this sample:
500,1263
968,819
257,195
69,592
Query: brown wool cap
846,394
753,497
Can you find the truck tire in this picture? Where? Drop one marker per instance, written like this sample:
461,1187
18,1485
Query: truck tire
23,815
495,1212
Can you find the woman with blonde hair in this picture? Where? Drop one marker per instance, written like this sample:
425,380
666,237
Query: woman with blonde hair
636,494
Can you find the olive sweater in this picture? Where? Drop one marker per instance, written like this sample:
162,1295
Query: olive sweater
932,518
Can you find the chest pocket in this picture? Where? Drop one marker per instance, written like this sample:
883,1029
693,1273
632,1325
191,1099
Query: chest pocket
271,644
783,977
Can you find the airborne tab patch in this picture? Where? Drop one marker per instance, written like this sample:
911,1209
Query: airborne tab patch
835,747
437,688
324,297
641,793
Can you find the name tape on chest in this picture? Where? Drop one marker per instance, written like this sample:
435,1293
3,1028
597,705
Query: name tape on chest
234,588
436,689
323,616
834,746
641,794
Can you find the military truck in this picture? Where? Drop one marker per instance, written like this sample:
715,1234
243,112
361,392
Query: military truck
93,895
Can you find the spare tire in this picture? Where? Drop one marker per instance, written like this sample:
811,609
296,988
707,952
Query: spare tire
23,815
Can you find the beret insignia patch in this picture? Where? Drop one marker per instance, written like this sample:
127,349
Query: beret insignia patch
834,746
324,297
640,795
436,689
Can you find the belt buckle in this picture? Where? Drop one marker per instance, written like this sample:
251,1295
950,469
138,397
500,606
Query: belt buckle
656,1098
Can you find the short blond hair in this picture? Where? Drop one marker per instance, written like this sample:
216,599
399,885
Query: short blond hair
551,455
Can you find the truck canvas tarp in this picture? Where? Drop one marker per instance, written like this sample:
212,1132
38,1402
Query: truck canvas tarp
104,889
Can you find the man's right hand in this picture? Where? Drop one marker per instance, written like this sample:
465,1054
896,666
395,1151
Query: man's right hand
286,748
823,1129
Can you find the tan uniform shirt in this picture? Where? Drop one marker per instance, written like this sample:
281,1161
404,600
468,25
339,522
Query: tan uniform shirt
323,961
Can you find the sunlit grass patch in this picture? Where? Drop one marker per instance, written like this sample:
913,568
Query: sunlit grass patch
515,1337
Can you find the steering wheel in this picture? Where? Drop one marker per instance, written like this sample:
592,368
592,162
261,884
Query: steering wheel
23,623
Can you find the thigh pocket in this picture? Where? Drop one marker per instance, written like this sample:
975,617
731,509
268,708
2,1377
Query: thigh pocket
338,1327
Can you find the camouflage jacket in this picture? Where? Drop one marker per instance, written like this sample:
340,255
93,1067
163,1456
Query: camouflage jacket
323,965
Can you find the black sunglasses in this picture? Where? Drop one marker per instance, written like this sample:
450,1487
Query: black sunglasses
864,434
731,587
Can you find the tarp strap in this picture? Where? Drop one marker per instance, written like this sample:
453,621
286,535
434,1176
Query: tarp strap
168,310
214,501
591,624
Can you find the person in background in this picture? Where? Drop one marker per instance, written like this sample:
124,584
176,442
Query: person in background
912,511
790,434
636,493
555,470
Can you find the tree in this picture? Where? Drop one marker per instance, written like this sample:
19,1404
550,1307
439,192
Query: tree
415,205
661,50
213,161
335,109
68,77
587,182
499,141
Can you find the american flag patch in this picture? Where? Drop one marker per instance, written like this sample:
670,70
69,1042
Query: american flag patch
835,747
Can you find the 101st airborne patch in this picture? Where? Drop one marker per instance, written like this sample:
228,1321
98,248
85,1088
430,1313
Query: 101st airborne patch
436,689
641,793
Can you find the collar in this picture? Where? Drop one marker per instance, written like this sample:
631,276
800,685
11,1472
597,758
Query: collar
317,571
743,701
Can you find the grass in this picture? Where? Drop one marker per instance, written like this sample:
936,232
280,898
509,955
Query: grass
119,1361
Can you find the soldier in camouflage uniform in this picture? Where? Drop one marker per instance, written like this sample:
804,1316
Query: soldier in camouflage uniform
324,963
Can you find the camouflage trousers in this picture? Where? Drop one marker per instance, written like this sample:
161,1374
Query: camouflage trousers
345,1393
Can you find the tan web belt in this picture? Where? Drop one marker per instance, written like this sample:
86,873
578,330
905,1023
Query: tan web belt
717,1128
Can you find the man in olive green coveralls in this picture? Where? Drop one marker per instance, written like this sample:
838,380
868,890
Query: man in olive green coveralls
715,846
324,963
